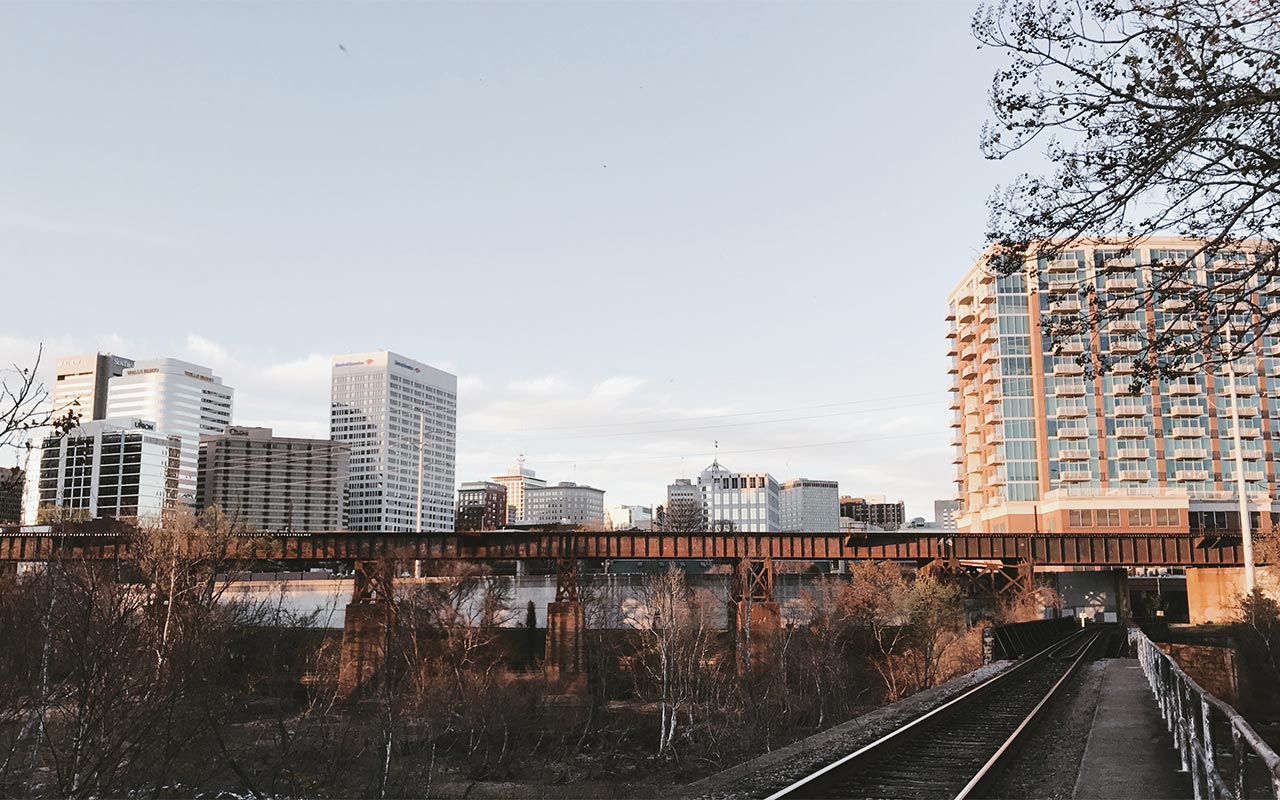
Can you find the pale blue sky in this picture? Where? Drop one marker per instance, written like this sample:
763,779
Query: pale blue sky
596,214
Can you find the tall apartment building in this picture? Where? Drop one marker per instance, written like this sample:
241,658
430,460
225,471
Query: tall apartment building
745,502
182,399
274,484
1040,446
944,513
874,511
566,502
388,408
80,384
115,467
482,506
809,505
518,482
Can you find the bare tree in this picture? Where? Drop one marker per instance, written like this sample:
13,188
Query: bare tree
1157,115
684,516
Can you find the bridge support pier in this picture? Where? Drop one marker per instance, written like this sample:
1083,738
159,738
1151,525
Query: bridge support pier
565,657
755,620
366,628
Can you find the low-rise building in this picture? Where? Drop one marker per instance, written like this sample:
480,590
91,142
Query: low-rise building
566,503
116,467
274,483
481,506
874,511
809,505
630,518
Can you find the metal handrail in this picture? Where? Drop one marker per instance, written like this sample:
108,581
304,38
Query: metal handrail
1194,716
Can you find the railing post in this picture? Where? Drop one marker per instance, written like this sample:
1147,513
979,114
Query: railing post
1206,743
1241,757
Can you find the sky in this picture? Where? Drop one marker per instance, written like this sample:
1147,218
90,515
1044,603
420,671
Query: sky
634,230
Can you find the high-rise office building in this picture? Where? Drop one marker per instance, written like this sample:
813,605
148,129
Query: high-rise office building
566,503
809,505
115,467
518,481
80,384
11,483
482,506
272,483
944,513
685,510
389,409
182,399
1042,446
874,512
746,502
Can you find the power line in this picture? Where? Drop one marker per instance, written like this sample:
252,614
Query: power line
704,416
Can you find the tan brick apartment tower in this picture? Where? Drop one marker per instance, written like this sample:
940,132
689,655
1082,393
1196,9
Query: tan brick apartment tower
1041,447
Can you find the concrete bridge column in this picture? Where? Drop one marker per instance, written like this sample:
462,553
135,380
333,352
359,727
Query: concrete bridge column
755,620
565,656
366,628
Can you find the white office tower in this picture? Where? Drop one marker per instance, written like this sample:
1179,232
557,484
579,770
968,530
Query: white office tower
518,480
746,502
183,399
80,384
390,409
810,506
121,468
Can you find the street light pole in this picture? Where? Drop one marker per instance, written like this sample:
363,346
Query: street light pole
1242,496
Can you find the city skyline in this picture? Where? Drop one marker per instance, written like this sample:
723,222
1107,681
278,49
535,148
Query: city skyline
767,211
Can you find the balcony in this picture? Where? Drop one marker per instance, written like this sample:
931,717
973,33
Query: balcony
1222,264
1184,410
1134,475
1186,432
957,422
964,313
1121,284
968,372
991,376
1191,475
1075,476
1072,412
1068,369
968,333
1061,265
1072,348
956,403
1244,411
1180,326
1238,368
1133,452
989,335
995,437
1124,326
1250,433
1125,346
1229,454
991,355
1174,304
1188,453
1131,411
1073,433
967,353
1119,264
1065,307
1183,388
1131,432
1063,287
1122,368
1073,455
1069,390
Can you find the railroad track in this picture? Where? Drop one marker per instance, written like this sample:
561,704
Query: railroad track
953,750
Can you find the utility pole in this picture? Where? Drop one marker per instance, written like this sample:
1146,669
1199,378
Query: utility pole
1246,532
422,443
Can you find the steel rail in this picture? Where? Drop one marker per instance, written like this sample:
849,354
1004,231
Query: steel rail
1026,723
898,734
